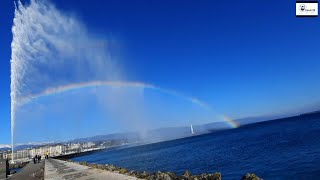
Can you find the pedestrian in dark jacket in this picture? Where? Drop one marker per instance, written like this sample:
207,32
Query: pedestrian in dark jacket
34,159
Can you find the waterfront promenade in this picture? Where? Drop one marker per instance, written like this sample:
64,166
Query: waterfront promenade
57,170
53,169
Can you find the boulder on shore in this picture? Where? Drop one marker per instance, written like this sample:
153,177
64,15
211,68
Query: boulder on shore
163,176
187,174
205,176
251,176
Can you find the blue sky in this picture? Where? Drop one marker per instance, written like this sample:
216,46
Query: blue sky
257,59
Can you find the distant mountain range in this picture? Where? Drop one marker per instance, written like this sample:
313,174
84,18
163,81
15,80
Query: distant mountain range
314,112
156,135
250,120
6,147
161,134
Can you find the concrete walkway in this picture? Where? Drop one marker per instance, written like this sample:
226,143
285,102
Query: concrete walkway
57,170
30,172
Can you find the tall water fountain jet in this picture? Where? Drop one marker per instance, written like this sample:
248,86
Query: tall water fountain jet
49,49
53,52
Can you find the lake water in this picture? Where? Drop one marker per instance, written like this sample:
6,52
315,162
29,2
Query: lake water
281,149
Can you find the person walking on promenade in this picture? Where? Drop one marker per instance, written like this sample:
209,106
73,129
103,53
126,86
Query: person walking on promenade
39,158
47,155
34,159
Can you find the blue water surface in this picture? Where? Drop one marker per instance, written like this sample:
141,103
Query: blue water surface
280,149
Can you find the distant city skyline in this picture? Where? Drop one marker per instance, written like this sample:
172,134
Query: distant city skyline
258,62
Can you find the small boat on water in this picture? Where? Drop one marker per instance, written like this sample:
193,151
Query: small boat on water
191,127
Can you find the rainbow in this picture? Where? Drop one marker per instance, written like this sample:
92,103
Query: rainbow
230,121
120,84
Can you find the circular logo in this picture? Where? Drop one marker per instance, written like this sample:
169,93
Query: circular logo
302,7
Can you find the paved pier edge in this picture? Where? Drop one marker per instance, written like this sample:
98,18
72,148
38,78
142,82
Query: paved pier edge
57,169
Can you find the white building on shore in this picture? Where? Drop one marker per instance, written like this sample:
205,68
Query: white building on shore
53,150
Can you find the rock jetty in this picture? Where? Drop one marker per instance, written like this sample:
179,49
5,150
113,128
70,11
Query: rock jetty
163,175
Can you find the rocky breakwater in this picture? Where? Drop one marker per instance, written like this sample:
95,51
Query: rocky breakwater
163,175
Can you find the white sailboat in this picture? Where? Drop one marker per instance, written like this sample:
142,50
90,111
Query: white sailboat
192,132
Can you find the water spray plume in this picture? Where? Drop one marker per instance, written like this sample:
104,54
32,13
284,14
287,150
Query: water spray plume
53,52
51,49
